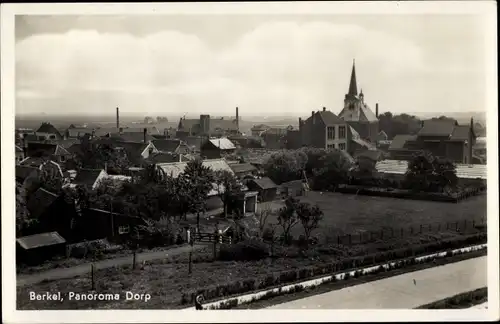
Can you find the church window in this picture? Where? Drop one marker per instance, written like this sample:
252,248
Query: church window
342,146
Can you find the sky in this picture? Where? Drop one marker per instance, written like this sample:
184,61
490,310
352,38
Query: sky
264,64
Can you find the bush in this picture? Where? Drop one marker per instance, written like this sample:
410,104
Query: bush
247,250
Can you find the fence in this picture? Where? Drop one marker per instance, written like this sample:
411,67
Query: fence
362,237
212,238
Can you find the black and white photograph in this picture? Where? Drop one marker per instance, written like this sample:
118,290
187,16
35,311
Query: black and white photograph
257,157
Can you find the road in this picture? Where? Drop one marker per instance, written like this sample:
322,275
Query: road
61,273
400,292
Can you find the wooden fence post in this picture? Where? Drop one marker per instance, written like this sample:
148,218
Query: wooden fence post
456,226
134,258
350,239
420,228
473,224
338,239
92,276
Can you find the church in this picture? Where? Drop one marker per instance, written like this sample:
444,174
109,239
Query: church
357,113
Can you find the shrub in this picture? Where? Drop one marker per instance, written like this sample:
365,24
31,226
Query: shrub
247,250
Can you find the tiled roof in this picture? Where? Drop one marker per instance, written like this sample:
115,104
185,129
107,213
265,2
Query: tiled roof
40,240
167,145
464,171
222,143
357,139
399,141
330,118
242,168
194,142
368,113
264,183
176,168
437,128
47,128
39,201
164,157
460,133
133,150
87,177
77,132
75,148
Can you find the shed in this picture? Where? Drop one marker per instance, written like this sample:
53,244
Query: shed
34,249
266,188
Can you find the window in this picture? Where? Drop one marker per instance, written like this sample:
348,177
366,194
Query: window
341,131
342,146
331,133
124,229
62,158
330,146
52,136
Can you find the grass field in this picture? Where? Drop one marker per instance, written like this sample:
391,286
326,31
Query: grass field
351,214
166,280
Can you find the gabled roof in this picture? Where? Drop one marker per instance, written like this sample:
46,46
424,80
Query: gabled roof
460,133
133,150
163,157
242,168
167,145
46,149
40,240
87,177
75,148
437,128
357,139
264,183
222,143
77,132
66,143
399,141
47,128
39,201
330,118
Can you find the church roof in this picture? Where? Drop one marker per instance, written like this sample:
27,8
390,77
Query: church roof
353,87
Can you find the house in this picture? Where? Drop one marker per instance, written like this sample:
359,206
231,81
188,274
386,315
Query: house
35,249
66,143
89,178
242,170
77,132
242,141
53,212
357,114
215,148
52,168
54,152
132,136
266,188
274,138
47,131
171,146
442,138
206,126
324,130
136,152
257,130
293,139
292,188
98,224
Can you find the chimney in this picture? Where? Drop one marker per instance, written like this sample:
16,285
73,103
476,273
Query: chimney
237,120
145,132
471,132
324,108
376,110
117,118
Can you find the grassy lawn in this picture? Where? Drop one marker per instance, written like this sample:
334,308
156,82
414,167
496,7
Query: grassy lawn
351,214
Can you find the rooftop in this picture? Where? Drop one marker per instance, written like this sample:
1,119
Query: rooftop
40,240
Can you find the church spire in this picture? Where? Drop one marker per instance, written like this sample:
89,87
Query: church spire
353,88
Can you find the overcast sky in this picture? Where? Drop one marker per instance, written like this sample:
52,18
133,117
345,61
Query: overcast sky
269,65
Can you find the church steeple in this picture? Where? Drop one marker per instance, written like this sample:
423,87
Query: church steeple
353,87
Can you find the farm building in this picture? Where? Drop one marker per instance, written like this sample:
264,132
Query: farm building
266,188
34,249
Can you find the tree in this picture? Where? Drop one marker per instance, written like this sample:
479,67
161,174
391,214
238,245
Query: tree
263,214
227,187
394,125
99,156
199,180
334,171
287,218
309,217
23,220
285,166
428,173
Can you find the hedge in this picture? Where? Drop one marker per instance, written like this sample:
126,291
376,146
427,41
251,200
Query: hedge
289,276
407,194
463,300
